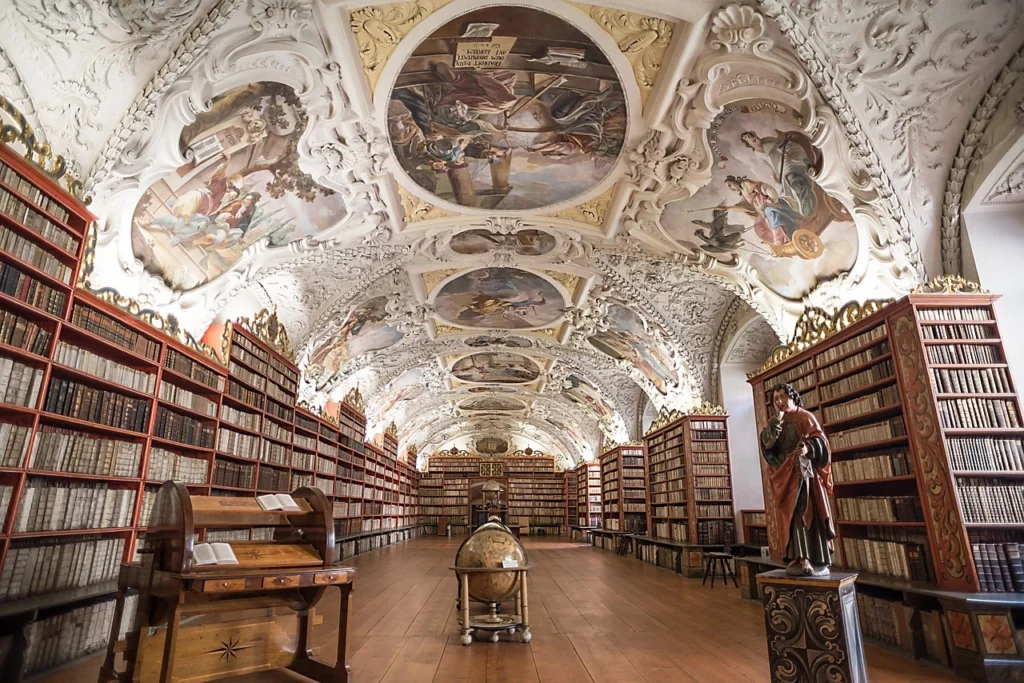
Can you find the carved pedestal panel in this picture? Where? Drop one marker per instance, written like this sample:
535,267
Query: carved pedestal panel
984,642
812,628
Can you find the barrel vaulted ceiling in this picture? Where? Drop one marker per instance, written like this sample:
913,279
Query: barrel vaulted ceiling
511,225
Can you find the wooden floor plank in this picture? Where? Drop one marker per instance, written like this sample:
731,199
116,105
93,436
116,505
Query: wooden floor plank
595,617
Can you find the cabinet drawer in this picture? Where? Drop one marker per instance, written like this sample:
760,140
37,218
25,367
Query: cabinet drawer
287,581
328,578
223,585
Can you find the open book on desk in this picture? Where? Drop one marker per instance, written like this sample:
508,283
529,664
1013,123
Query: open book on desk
213,553
277,501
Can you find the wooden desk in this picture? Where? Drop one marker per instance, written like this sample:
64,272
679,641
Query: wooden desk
241,634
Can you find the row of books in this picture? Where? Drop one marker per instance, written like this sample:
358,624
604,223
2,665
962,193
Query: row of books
889,558
963,354
114,331
31,253
271,479
999,566
986,453
57,505
97,405
978,413
6,494
706,511
888,396
955,314
93,364
279,394
279,411
981,381
249,377
715,532
71,634
13,444
708,470
235,474
181,363
23,334
36,222
958,331
710,458
713,446
238,443
991,501
878,431
712,482
19,383
304,461
33,567
245,394
895,462
251,359
850,362
858,380
187,399
68,450
852,344
275,453
275,430
880,509
26,288
883,620
164,464
240,418
183,429
27,189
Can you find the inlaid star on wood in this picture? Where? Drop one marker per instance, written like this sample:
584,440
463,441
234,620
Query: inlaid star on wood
254,554
229,650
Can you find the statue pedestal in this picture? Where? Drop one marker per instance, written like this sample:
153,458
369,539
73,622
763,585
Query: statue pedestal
812,628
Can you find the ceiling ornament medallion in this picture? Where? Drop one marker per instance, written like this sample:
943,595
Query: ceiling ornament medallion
269,330
415,209
379,30
499,366
488,113
641,39
501,298
591,212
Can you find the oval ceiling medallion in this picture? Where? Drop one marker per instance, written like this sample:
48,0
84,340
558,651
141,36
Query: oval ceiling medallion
492,403
491,445
502,298
501,367
507,108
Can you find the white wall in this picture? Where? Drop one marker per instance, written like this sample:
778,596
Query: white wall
996,239
744,454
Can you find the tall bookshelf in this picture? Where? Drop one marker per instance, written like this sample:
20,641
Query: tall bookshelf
536,494
454,473
571,498
588,493
624,489
927,445
755,529
691,485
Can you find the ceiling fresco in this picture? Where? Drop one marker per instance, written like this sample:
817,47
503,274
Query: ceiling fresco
539,222
506,108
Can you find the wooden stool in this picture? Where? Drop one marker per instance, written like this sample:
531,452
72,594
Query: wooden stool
712,561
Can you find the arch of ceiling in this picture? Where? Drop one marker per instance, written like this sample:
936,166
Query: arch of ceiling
282,155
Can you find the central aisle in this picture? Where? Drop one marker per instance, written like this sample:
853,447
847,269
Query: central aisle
594,617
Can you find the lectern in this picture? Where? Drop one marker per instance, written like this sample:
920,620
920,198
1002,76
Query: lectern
206,622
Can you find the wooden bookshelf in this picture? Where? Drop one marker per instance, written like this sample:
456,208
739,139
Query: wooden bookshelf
588,492
691,485
536,494
571,498
624,489
927,456
755,529
454,473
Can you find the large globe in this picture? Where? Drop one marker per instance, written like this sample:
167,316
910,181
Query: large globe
489,546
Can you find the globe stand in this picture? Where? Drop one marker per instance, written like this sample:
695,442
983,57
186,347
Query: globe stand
493,623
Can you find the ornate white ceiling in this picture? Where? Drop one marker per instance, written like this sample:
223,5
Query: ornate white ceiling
531,223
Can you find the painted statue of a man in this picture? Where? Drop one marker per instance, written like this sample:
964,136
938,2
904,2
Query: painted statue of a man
800,477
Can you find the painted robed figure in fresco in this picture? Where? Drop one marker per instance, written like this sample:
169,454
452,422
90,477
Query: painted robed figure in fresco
800,476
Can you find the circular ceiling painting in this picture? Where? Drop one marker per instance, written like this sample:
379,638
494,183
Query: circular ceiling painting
503,298
505,368
507,108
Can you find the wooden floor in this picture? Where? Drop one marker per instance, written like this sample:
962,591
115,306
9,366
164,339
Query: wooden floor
595,617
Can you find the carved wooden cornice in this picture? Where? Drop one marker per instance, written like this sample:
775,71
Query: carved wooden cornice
704,408
949,284
269,330
36,151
